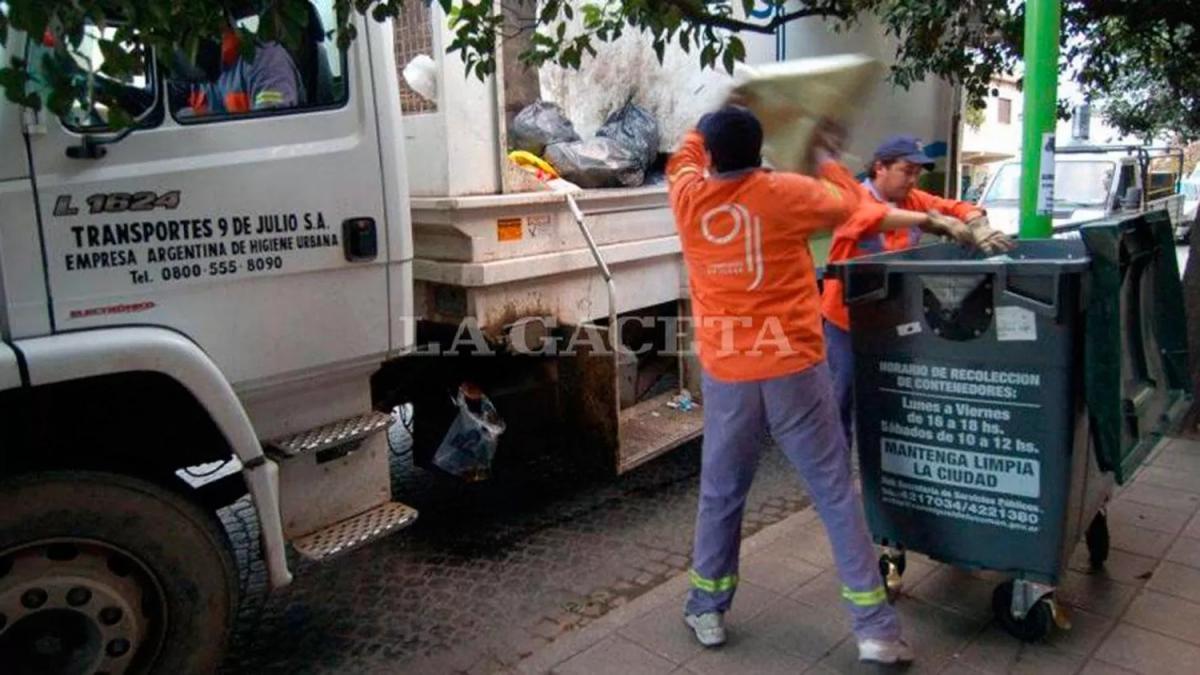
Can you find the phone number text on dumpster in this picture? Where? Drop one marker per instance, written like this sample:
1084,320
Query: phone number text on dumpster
1000,512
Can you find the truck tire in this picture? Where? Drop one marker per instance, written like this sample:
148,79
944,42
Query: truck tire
103,573
240,521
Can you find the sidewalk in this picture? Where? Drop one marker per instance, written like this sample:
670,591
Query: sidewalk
1140,614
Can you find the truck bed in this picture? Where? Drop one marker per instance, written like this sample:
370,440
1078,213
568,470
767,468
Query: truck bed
500,258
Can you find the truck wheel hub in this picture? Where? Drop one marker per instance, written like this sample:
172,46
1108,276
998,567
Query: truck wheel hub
77,606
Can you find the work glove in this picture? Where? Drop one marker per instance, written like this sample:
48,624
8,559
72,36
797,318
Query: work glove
974,235
980,220
949,228
987,239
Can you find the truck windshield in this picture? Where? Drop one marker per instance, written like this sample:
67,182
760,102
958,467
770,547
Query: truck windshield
1076,184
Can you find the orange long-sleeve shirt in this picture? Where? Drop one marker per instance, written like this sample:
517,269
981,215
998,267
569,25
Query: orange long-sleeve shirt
745,242
860,236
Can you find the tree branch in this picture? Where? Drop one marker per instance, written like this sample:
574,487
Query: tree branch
694,15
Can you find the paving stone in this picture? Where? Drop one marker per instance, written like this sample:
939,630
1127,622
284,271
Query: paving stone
956,667
1185,551
1169,478
823,591
917,568
1184,444
1122,566
1096,594
615,656
1178,460
935,634
1159,519
1097,667
755,655
663,632
995,651
956,590
1149,653
812,545
776,572
1139,540
799,629
749,601
1166,614
1178,580
1087,630
1193,528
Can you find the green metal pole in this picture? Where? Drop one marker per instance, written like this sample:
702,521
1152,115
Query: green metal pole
1043,23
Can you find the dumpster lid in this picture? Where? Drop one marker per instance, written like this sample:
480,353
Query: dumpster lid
1136,379
866,279
1052,256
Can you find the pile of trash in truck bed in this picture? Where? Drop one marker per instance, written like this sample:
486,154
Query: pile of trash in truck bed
620,155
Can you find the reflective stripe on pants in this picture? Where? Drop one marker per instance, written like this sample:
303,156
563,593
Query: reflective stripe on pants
802,417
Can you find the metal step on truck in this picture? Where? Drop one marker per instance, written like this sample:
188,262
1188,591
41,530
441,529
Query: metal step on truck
205,310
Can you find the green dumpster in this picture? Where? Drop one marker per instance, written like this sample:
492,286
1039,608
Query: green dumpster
999,400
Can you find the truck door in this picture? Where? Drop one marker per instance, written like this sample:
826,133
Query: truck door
243,210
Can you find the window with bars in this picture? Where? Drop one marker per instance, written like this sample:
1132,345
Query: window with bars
414,35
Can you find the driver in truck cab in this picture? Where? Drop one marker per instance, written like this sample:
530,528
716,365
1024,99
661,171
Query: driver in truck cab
223,80
267,80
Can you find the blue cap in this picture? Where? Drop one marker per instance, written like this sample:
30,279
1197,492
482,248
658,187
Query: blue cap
733,136
908,148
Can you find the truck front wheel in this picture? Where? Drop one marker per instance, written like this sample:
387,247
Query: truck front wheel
102,573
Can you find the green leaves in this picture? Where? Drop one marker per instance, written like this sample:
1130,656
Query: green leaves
1133,55
735,52
13,79
119,61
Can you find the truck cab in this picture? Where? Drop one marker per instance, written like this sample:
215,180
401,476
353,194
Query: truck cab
191,311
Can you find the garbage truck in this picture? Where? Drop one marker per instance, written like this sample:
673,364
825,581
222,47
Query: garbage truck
203,309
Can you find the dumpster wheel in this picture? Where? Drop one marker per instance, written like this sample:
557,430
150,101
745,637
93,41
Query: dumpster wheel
1097,541
1037,622
891,568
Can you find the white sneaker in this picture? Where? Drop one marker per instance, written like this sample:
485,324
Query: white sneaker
708,627
884,651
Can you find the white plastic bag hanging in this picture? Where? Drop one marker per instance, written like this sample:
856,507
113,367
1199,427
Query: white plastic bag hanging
470,443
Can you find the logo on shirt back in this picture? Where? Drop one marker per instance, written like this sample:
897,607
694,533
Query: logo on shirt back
733,225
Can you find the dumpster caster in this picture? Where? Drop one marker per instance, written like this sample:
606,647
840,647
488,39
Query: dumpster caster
1039,617
891,568
1097,541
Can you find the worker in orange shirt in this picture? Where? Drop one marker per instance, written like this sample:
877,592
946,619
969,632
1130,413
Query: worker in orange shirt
894,170
756,307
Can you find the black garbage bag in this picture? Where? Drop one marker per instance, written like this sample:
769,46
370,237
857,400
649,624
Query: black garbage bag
538,125
597,163
636,128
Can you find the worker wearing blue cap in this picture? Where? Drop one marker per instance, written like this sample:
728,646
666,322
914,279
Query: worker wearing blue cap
892,179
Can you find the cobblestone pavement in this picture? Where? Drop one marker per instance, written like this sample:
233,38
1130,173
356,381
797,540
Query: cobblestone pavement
492,572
